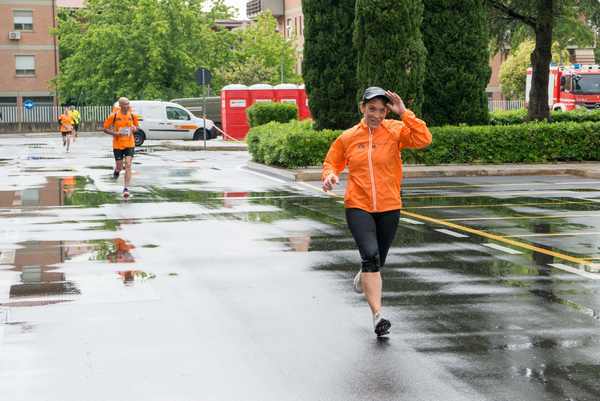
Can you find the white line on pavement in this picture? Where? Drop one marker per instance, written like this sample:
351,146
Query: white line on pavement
574,270
503,249
410,221
451,233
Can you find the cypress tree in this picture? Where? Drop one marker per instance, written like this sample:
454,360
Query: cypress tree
391,53
456,36
329,65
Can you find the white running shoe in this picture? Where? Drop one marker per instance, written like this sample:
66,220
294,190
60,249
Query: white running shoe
357,284
381,325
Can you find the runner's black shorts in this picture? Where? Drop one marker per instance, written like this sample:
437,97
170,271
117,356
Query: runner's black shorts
76,126
65,133
122,153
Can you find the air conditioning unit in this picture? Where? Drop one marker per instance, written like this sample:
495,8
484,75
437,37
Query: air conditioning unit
16,35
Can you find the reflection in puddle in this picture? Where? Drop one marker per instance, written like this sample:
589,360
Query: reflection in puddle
100,167
41,287
114,251
129,277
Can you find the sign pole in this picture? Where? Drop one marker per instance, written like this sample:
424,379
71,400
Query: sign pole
204,115
203,77
204,107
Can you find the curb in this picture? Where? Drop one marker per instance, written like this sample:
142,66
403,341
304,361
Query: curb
314,174
216,148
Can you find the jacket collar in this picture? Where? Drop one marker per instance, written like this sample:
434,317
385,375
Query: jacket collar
363,125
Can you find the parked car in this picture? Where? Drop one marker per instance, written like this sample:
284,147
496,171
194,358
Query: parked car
194,104
167,120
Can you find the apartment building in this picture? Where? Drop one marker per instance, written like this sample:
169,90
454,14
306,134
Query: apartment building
290,21
28,51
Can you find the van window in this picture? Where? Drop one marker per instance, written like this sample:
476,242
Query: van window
174,113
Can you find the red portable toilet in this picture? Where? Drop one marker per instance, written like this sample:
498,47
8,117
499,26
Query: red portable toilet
235,99
303,109
261,93
287,93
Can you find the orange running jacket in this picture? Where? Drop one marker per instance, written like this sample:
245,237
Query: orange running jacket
374,161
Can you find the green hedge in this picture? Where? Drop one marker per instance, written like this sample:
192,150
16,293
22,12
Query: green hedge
265,112
296,144
518,116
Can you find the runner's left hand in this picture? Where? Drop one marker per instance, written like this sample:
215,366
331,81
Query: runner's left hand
396,104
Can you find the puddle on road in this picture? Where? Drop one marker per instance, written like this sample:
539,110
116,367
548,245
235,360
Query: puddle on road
58,191
40,285
101,168
130,277
114,251
36,157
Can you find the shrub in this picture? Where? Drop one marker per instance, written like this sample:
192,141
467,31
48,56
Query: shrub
263,113
297,144
518,116
530,143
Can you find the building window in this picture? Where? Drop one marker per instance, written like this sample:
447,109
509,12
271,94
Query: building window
42,100
289,28
25,65
23,20
8,101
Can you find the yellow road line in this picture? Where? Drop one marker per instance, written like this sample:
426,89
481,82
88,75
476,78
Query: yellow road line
480,233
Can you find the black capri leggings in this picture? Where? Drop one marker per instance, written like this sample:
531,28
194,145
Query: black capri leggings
373,234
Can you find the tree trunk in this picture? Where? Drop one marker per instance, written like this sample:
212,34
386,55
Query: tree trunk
540,62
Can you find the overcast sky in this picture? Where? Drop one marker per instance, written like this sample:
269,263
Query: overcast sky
240,5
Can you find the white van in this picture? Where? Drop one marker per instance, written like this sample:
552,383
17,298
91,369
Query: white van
166,120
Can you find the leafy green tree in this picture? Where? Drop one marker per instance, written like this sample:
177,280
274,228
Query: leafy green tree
142,49
391,53
259,54
513,72
545,20
457,70
329,66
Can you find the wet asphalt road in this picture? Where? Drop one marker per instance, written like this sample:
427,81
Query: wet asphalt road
215,283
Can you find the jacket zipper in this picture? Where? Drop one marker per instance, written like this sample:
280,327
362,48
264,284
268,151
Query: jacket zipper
373,188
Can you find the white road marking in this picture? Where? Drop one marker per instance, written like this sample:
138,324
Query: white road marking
574,270
410,221
503,249
451,233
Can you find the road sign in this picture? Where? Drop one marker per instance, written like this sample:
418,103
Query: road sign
203,76
28,104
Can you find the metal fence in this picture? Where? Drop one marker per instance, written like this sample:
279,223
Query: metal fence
49,114
502,105
96,114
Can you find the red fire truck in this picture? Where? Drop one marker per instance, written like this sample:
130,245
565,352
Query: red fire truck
571,88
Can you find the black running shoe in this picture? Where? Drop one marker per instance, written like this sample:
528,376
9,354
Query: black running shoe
382,325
